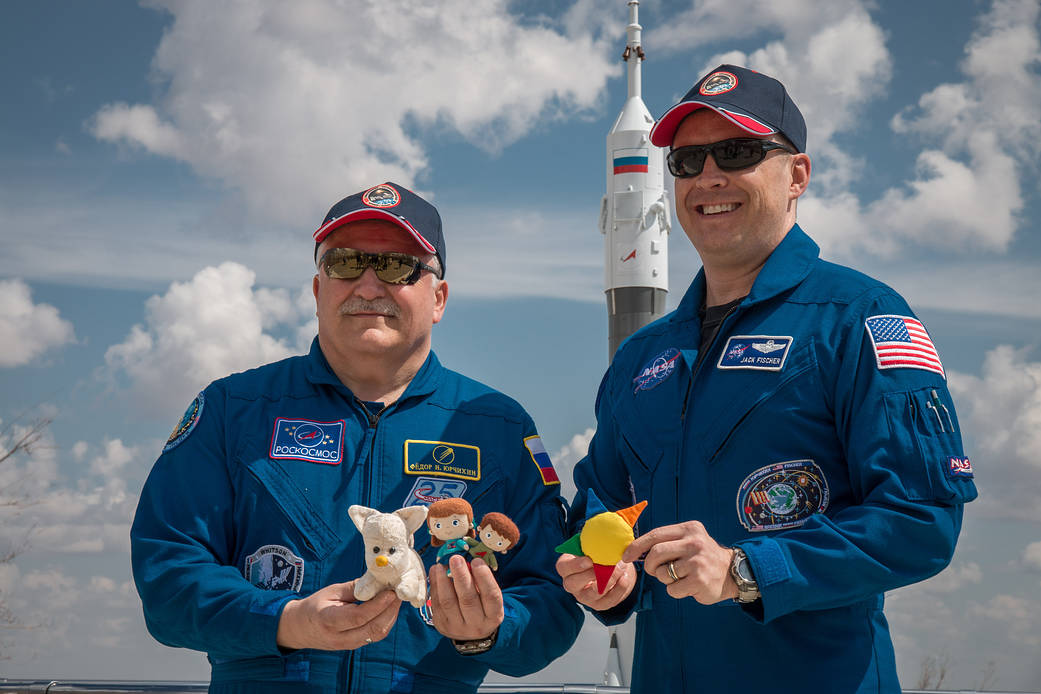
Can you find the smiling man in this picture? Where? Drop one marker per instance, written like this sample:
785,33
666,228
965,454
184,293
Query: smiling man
789,424
242,546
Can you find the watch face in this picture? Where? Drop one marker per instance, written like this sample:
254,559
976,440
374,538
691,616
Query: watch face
744,571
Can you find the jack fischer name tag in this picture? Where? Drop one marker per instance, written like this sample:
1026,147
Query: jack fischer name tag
760,352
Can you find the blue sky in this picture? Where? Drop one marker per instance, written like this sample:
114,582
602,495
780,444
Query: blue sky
163,165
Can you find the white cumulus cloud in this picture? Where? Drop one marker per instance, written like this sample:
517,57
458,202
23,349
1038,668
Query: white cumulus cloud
27,330
1032,556
1000,414
206,328
293,103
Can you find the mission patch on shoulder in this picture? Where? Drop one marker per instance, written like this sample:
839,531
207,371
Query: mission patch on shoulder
187,422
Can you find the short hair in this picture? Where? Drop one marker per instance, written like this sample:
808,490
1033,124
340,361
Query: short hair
502,525
442,508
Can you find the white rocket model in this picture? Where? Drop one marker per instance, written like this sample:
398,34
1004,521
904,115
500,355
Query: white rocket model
634,215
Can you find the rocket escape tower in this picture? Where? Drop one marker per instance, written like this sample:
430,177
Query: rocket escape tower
634,214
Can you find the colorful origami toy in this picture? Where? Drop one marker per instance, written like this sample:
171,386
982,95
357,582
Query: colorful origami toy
604,537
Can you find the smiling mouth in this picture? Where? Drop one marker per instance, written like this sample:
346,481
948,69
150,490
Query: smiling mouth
719,208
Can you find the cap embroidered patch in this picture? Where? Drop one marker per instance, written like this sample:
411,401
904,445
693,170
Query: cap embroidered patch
542,460
303,439
959,467
427,490
902,342
781,496
381,196
186,424
718,83
656,370
274,567
443,459
760,352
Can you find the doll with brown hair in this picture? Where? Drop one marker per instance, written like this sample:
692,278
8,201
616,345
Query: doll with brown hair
451,522
496,533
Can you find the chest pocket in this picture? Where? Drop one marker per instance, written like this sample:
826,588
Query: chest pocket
733,400
271,510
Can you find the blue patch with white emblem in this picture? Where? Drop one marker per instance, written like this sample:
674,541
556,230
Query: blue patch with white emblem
303,439
274,567
782,495
186,424
427,490
656,370
758,352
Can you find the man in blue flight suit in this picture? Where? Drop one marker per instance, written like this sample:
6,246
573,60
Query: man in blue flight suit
242,546
789,424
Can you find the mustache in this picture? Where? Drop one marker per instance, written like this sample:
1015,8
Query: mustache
355,305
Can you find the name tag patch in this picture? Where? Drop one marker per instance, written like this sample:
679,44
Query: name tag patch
759,352
274,567
782,495
303,439
443,459
427,490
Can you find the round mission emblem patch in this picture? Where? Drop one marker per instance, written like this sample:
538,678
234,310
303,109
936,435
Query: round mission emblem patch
781,496
381,196
718,83
186,424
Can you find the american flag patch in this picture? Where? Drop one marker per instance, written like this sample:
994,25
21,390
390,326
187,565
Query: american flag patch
902,342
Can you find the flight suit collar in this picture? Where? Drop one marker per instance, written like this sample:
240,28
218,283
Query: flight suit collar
426,380
787,266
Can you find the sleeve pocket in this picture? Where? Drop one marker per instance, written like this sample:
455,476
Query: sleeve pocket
935,467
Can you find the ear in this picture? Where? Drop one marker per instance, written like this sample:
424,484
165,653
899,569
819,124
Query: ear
440,299
359,514
414,517
800,175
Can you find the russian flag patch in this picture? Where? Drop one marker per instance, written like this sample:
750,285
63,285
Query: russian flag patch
541,459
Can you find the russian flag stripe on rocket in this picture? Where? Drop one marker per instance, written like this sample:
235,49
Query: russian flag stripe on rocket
630,161
541,458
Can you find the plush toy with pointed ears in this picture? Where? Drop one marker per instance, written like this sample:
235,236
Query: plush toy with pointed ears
389,556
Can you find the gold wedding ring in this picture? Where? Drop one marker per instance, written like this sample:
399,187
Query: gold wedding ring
672,572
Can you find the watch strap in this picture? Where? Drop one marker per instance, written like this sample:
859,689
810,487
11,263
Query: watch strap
475,646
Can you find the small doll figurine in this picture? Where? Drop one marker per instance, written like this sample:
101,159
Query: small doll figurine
451,522
496,533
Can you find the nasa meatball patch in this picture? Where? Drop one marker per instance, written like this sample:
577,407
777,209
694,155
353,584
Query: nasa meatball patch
656,370
186,424
782,495
757,352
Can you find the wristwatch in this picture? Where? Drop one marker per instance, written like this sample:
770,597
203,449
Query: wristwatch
741,571
476,646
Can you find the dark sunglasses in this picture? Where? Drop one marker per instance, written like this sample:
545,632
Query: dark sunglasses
392,268
730,155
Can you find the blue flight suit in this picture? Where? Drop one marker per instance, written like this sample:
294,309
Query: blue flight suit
804,439
246,508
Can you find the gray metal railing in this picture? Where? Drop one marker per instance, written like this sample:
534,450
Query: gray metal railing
9,686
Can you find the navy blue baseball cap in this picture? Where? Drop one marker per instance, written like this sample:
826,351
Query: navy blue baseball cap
393,203
753,101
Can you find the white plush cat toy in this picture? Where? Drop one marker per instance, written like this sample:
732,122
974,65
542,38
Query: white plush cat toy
391,561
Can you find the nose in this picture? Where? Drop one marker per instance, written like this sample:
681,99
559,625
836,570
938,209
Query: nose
381,561
711,175
369,286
